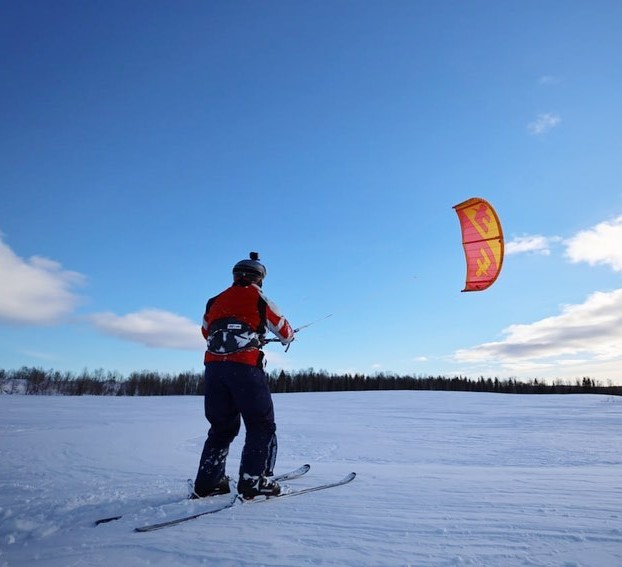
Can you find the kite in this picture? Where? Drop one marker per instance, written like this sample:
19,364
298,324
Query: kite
482,240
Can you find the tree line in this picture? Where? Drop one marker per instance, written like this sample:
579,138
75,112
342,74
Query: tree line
36,381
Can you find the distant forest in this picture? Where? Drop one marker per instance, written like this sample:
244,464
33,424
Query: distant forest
36,381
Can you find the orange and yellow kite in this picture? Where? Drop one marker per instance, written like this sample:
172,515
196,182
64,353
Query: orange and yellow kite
482,240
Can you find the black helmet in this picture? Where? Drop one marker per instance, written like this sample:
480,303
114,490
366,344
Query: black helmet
251,270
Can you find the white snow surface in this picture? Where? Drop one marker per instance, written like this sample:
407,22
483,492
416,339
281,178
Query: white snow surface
444,478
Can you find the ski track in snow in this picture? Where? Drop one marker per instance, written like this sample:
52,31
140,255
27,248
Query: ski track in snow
444,479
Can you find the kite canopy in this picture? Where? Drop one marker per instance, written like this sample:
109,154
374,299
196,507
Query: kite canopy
482,240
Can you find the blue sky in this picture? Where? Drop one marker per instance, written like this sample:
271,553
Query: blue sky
148,146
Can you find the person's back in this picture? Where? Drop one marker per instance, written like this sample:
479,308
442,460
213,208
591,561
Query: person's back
236,321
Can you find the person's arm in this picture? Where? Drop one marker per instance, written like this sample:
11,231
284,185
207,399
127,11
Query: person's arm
278,324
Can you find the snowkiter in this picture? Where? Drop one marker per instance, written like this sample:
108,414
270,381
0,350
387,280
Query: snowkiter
236,387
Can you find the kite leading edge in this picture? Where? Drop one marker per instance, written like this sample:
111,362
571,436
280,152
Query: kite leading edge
482,240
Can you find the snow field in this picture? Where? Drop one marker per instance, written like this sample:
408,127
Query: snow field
444,478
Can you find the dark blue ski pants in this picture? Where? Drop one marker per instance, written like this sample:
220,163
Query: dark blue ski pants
235,392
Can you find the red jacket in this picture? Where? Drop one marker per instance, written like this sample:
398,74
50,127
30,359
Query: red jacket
235,324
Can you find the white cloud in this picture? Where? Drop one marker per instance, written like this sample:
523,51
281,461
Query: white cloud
531,243
544,123
582,336
35,291
151,327
601,244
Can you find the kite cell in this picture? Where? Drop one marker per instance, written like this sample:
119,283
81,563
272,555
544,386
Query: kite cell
482,240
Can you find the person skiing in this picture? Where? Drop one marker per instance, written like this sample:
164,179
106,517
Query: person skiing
236,386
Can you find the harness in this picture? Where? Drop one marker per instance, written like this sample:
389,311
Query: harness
229,335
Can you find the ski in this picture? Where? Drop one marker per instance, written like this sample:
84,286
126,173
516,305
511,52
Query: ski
290,475
345,480
106,520
152,527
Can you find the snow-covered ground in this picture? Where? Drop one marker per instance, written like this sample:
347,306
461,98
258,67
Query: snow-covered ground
443,479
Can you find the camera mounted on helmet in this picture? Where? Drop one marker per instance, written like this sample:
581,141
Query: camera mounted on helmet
250,271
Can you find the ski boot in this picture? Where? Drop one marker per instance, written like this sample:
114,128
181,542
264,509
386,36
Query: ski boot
221,488
251,486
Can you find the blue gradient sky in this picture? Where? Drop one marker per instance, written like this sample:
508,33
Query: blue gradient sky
148,146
